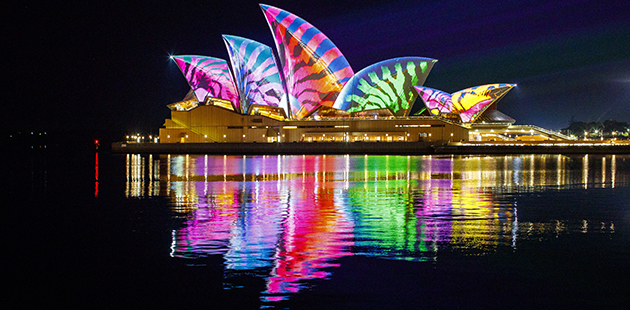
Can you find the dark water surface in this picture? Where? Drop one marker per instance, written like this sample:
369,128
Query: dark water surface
95,230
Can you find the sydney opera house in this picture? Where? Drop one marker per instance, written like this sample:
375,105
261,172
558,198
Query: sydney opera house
310,93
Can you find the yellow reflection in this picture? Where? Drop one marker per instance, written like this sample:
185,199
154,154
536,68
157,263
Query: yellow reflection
603,171
585,171
543,167
559,170
531,171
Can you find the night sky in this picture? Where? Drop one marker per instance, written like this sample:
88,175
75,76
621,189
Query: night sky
103,65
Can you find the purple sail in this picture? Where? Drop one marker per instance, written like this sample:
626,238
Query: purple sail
208,77
435,100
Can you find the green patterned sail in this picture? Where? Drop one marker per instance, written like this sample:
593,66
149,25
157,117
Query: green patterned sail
385,85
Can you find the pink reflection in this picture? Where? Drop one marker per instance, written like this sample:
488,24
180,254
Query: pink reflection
210,227
315,233
282,215
438,200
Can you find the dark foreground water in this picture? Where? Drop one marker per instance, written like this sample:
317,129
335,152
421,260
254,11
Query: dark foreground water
95,230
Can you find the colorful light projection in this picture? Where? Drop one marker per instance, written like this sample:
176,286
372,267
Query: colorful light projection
385,85
314,69
256,74
471,102
209,78
435,100
317,205
317,232
274,216
288,218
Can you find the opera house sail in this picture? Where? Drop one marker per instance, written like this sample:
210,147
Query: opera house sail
385,85
314,68
256,74
209,78
468,103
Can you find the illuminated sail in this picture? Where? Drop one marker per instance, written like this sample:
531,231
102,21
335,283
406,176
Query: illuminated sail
256,74
208,77
470,103
435,100
314,68
385,85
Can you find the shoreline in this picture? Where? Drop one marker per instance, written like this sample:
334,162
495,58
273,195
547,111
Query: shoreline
368,148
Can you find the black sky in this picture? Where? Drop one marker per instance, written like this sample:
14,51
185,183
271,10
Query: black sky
104,65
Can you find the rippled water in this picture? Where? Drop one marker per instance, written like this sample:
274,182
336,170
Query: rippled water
290,220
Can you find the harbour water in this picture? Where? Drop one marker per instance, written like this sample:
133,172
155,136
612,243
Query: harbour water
316,231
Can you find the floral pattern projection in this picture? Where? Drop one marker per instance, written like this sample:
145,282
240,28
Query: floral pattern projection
385,85
257,77
469,103
208,77
315,70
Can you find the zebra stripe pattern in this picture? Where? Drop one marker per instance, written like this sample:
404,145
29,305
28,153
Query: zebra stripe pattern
256,74
314,69
385,85
208,77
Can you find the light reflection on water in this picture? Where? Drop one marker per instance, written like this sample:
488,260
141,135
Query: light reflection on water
288,218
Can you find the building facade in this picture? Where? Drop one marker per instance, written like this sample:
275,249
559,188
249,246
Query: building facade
215,124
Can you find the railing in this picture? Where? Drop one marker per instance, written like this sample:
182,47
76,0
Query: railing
546,131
